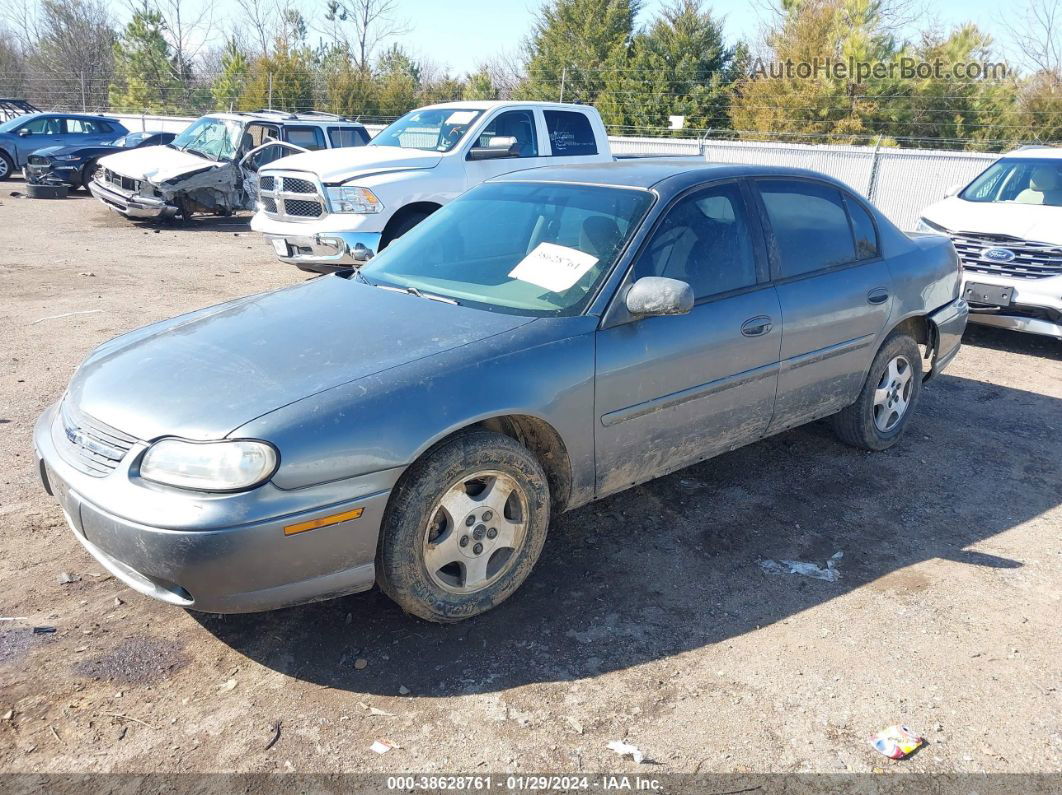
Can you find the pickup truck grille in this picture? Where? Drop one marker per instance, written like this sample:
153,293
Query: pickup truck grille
89,445
125,183
1031,260
290,198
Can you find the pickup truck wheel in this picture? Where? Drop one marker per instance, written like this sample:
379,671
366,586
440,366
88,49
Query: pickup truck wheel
403,225
6,166
464,527
877,419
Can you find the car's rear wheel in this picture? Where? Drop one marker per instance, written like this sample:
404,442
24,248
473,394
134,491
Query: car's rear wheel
879,416
464,527
6,166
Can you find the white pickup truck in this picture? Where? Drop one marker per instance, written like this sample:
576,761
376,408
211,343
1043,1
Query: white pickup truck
325,211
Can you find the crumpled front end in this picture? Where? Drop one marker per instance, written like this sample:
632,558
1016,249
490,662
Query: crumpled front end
215,189
133,198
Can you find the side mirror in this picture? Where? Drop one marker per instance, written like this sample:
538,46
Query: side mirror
952,190
657,295
499,146
24,132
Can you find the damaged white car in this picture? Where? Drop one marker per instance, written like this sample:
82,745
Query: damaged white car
212,166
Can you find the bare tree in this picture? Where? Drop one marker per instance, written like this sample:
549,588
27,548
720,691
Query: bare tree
188,28
68,51
1038,35
373,22
12,65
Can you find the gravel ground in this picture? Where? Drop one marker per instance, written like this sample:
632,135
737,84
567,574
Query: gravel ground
648,618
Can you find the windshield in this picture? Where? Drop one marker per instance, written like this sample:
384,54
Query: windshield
437,130
215,139
1021,180
11,124
521,248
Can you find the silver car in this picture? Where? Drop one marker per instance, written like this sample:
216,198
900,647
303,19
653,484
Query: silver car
549,338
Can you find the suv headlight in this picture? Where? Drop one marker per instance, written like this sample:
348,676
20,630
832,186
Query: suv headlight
209,466
348,199
925,226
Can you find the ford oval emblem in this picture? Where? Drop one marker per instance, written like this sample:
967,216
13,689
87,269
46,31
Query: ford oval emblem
998,254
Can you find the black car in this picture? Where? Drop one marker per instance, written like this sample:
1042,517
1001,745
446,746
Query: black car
74,165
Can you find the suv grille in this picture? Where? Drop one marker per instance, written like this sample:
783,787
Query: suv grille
1031,260
89,445
290,198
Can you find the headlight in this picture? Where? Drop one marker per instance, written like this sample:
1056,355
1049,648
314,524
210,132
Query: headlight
68,158
925,226
346,199
209,466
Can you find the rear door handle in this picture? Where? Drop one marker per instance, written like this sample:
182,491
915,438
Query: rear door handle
879,295
757,326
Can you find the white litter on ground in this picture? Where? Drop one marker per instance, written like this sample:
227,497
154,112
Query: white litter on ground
813,570
626,749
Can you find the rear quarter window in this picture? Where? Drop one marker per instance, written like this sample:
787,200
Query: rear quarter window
306,137
570,133
866,236
348,136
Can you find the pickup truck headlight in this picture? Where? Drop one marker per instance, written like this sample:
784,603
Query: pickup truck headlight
348,199
209,466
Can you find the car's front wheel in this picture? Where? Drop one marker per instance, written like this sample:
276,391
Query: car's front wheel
464,527
7,167
879,416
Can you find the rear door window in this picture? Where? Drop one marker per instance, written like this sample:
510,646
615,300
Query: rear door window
810,225
306,137
570,133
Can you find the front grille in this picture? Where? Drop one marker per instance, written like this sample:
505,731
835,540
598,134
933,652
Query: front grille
294,185
1031,260
125,183
290,198
89,445
302,209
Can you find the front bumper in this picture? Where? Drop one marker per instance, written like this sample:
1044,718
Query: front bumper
233,555
131,205
1035,304
317,250
53,174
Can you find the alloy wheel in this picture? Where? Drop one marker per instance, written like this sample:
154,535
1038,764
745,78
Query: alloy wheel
475,532
893,394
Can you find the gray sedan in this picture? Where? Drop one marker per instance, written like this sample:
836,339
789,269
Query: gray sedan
549,338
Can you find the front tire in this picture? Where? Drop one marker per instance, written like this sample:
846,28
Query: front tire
7,166
464,527
878,418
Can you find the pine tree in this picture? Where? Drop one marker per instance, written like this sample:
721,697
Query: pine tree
229,86
144,72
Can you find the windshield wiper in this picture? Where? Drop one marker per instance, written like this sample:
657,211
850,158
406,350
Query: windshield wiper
418,293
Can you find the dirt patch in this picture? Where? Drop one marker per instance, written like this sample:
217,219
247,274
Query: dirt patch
136,660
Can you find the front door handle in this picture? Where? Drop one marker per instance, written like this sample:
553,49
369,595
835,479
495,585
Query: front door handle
757,326
879,295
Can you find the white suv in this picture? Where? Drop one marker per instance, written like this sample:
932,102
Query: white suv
1007,227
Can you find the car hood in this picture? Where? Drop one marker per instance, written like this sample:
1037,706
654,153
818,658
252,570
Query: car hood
201,376
334,166
1032,222
156,164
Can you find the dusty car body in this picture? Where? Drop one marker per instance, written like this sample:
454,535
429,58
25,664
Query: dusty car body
551,337
74,165
211,167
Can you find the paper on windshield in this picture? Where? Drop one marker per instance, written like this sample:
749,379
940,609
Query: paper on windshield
461,117
552,267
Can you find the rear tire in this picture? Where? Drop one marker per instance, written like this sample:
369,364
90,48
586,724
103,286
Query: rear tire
878,418
7,167
464,527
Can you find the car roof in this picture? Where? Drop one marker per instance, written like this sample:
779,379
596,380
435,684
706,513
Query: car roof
490,104
62,115
283,116
1037,151
651,172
